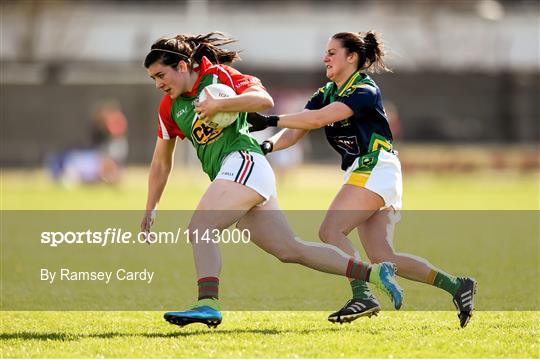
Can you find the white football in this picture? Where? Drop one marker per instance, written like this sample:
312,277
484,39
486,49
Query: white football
221,119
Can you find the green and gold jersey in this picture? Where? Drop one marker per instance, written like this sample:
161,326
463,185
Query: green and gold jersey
177,118
367,130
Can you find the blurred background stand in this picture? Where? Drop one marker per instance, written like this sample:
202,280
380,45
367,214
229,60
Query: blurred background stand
466,73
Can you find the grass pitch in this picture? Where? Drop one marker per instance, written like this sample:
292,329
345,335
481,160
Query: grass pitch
278,334
269,334
305,188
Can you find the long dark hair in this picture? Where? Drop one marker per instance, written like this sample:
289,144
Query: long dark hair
368,46
191,48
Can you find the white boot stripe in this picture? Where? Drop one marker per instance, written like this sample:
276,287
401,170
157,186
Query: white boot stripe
357,307
465,293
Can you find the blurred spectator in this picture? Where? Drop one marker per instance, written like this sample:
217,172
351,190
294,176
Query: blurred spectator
104,160
109,133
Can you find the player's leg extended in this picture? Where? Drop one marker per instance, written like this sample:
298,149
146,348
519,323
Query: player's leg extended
271,232
352,206
376,235
221,206
223,203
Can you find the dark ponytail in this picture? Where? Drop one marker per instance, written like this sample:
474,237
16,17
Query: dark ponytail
191,49
368,46
374,50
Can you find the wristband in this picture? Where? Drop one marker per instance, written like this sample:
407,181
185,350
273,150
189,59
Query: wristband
267,146
272,120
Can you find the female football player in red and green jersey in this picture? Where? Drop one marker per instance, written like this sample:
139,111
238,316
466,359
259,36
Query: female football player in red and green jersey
242,181
350,109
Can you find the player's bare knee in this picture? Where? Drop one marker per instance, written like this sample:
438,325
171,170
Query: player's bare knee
239,225
327,234
245,222
192,235
198,231
290,258
288,254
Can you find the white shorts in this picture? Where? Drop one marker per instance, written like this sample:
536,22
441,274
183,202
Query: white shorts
379,172
250,169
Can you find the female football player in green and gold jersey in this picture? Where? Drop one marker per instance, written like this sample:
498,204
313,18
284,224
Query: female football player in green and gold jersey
350,108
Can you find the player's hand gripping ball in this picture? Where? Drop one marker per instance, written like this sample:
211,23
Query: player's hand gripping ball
221,119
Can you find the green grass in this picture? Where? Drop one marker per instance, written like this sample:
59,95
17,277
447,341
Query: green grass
307,188
269,334
279,334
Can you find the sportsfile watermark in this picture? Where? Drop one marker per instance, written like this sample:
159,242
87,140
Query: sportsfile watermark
118,236
103,260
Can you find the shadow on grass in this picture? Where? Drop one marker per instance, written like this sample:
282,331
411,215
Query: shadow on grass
44,336
61,336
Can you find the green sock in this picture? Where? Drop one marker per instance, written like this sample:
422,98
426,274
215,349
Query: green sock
445,281
213,303
360,289
374,274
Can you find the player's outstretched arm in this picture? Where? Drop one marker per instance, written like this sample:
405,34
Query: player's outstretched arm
282,140
306,120
314,119
286,138
160,168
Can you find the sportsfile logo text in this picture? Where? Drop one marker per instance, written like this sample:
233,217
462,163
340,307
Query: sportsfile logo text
117,236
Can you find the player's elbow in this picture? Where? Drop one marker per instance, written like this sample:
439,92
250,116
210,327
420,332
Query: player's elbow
267,103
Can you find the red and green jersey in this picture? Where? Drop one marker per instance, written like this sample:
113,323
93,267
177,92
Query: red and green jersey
177,118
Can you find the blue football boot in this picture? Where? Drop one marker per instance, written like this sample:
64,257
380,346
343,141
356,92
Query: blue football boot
383,275
204,312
